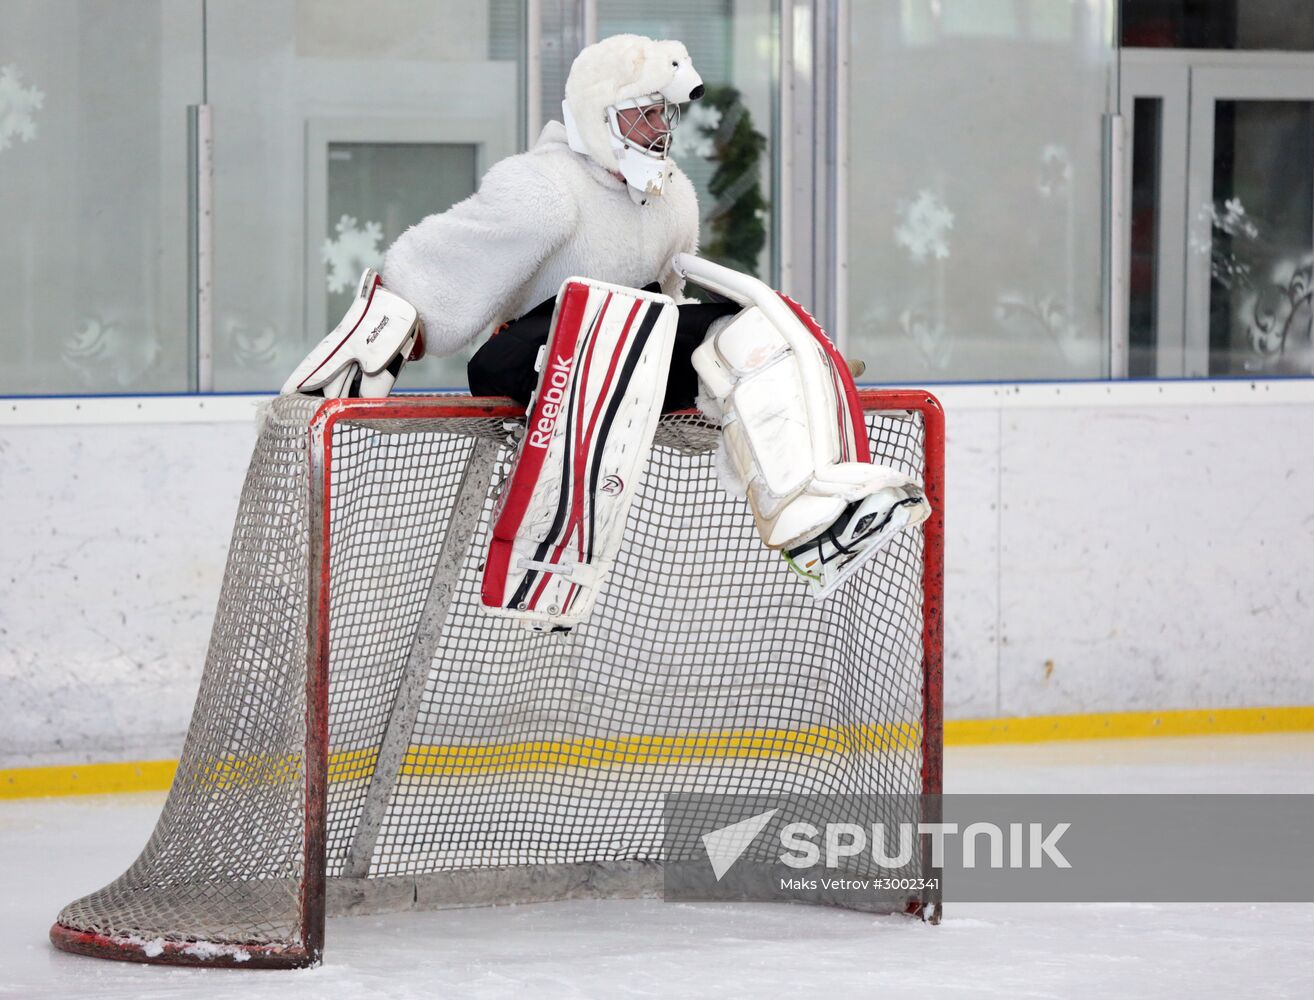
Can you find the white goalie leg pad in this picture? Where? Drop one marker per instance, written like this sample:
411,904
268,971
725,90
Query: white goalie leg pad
793,434
560,516
364,353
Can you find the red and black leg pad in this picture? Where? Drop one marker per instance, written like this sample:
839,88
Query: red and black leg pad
560,516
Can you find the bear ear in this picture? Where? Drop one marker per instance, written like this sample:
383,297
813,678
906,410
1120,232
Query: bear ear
637,59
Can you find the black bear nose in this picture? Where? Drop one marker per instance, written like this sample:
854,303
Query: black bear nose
696,93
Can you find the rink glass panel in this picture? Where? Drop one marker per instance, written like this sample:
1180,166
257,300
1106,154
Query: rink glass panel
975,248
434,755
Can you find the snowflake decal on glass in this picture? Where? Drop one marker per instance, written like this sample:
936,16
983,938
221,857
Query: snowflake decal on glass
693,138
18,108
924,227
1230,262
1055,171
1233,220
356,248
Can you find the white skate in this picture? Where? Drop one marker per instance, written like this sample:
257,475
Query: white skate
862,531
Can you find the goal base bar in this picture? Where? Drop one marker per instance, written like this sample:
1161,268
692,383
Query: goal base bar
195,953
523,884
505,886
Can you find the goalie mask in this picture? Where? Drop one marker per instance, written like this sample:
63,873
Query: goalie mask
622,103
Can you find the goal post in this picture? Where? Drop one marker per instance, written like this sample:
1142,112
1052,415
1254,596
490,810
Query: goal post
366,738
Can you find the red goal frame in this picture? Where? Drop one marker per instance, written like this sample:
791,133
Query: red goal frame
313,889
404,407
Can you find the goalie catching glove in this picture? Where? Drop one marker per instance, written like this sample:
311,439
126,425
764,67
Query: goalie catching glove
364,353
793,436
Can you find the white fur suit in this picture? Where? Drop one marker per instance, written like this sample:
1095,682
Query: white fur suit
538,218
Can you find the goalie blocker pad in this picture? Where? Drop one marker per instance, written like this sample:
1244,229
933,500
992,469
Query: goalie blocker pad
560,517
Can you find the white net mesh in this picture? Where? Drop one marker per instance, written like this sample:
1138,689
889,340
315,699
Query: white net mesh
470,760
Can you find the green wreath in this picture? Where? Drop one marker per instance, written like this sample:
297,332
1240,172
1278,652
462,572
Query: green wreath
737,217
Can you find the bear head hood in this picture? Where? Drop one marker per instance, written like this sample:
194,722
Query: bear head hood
622,101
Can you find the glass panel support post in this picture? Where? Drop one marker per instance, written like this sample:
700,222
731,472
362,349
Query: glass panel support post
200,244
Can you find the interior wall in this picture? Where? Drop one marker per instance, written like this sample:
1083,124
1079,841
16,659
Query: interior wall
1108,548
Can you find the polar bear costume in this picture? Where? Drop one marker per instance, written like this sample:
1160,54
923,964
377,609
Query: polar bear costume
597,210
549,213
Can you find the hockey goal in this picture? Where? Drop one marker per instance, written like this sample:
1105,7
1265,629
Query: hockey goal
366,738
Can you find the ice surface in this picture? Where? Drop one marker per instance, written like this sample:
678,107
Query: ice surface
57,849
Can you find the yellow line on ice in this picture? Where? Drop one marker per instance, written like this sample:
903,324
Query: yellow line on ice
650,751
87,779
1129,725
430,761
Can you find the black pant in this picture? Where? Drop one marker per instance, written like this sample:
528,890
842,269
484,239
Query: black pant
504,366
